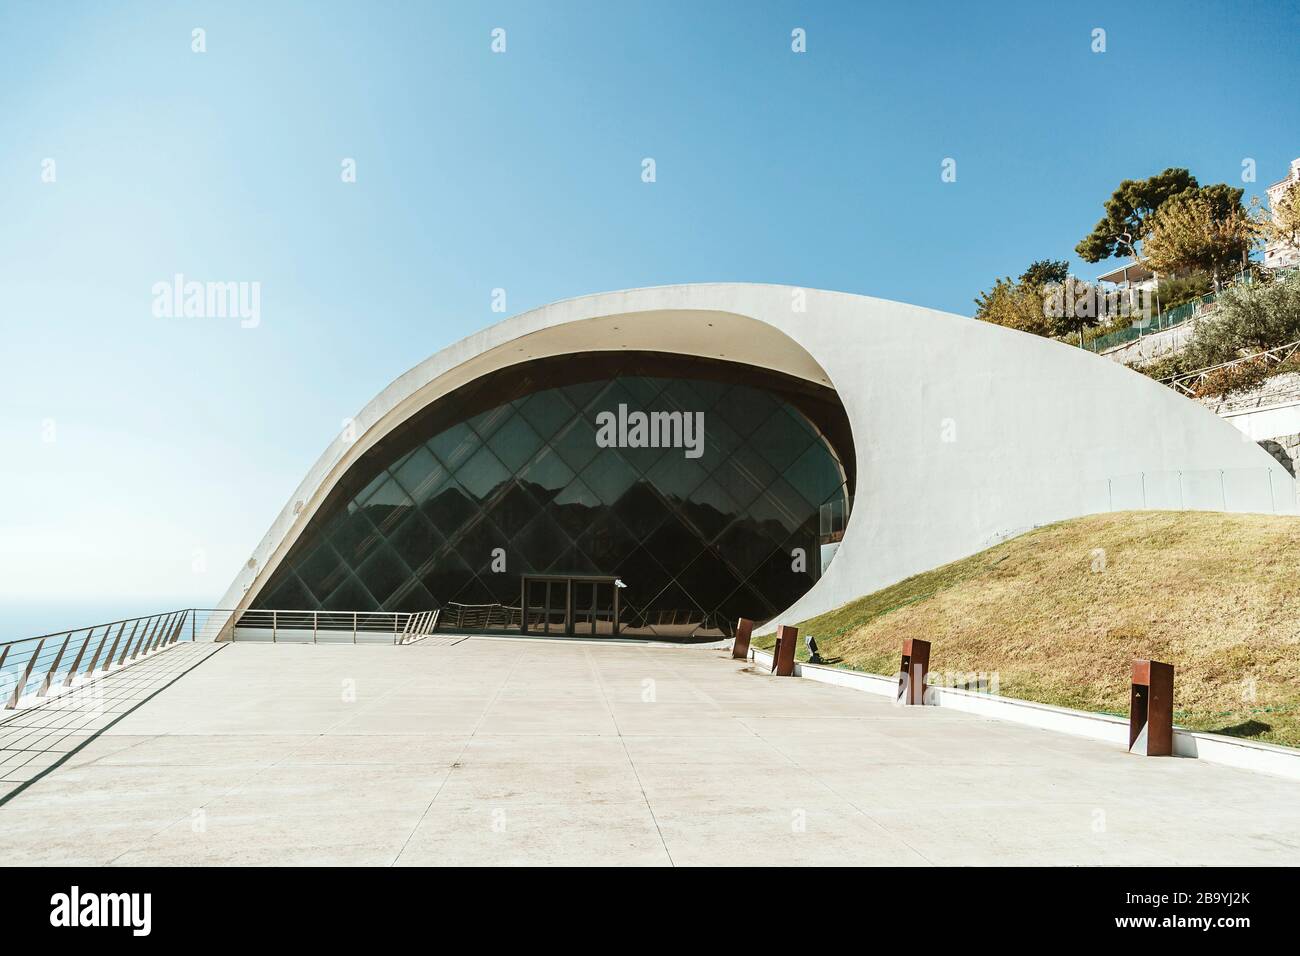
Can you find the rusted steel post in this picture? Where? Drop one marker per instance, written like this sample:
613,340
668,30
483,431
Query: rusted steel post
1151,709
911,672
740,646
787,637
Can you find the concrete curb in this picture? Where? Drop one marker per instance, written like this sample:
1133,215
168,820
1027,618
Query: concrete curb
1230,751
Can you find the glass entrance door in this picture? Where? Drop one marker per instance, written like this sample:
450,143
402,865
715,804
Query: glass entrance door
571,605
593,608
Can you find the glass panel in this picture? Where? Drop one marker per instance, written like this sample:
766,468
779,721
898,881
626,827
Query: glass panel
483,475
609,476
420,475
576,444
546,475
709,510
454,446
388,506
514,443
745,409
782,439
416,541
547,411
486,423
383,573
321,571
699,541
543,542
641,510
350,595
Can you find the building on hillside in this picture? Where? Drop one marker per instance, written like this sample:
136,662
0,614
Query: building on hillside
1280,255
660,462
1130,277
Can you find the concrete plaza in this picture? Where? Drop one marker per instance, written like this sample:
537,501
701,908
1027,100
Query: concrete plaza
501,751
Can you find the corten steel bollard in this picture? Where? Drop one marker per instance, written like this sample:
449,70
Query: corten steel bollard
740,646
783,654
912,671
1151,706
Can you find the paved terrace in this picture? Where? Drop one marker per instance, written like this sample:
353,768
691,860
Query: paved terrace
511,751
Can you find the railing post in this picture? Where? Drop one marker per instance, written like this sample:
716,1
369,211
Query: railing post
22,681
76,664
274,619
117,640
58,659
314,615
194,616
354,627
172,632
162,634
148,633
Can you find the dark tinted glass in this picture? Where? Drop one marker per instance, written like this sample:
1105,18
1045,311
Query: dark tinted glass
702,531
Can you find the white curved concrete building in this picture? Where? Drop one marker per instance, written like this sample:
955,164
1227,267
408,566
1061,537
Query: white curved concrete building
702,444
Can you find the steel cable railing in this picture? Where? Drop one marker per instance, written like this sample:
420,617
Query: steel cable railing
33,669
332,627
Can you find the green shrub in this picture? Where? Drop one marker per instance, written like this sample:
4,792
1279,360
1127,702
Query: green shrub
1165,366
1235,378
1176,292
1247,318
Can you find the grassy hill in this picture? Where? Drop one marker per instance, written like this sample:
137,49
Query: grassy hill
1060,612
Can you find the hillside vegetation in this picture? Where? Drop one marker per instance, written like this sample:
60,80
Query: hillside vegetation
1059,614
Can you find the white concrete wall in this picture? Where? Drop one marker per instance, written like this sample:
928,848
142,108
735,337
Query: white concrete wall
1262,423
966,433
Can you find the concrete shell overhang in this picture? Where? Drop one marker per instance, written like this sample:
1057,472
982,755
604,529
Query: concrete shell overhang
965,433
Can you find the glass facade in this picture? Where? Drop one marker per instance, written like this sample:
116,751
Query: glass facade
541,469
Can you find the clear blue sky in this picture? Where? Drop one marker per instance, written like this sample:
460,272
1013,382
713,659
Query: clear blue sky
518,170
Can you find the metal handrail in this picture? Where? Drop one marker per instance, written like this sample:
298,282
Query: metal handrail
1275,356
54,662
480,617
297,626
34,668
419,626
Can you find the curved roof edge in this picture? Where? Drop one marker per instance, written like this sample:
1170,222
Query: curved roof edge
964,432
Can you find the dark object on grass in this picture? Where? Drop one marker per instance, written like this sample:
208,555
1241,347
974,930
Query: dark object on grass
813,657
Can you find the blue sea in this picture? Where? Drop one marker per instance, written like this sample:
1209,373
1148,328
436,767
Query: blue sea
20,619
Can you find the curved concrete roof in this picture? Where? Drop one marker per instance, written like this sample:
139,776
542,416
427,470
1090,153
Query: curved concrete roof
965,433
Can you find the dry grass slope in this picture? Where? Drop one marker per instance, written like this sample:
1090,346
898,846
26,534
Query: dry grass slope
1060,612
